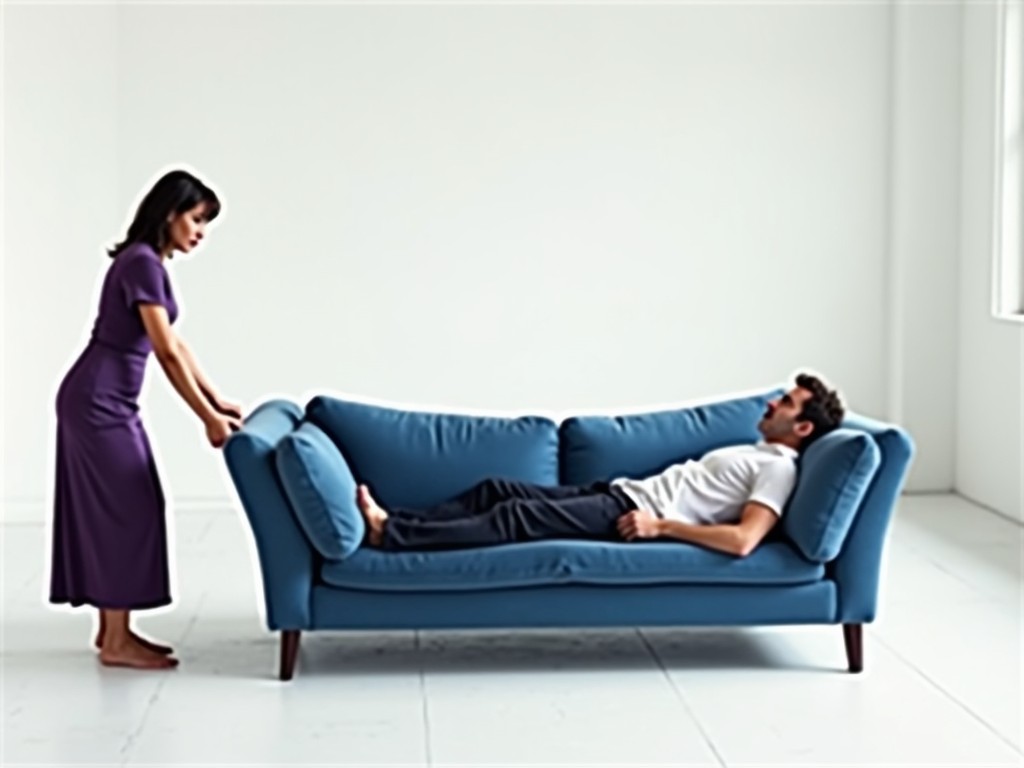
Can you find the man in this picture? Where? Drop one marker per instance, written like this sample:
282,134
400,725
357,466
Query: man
728,500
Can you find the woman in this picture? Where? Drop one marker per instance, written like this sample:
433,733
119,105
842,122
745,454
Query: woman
109,533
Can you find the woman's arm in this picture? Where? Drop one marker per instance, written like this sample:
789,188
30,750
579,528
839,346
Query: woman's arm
205,385
169,352
214,397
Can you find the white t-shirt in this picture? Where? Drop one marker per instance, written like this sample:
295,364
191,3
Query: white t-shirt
714,489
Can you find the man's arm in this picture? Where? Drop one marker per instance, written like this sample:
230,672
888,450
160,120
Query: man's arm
737,539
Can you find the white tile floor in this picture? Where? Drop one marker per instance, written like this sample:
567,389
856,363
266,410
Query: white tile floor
942,684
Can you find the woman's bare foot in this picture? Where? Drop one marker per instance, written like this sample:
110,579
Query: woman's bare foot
134,655
374,515
149,645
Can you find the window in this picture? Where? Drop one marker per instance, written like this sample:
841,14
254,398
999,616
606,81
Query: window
1009,230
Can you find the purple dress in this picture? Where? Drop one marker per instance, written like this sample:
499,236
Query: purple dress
109,532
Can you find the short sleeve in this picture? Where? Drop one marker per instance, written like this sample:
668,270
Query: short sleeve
774,483
144,282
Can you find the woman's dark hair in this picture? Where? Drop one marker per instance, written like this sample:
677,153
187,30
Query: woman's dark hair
823,409
175,193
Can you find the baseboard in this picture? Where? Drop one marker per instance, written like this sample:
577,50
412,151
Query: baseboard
20,512
973,502
997,512
37,511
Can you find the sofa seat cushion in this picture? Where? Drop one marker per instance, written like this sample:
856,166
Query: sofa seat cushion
565,561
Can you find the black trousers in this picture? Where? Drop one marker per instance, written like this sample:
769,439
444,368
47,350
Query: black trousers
499,511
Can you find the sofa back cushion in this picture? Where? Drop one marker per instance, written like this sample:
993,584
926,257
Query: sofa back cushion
321,490
834,475
418,459
596,448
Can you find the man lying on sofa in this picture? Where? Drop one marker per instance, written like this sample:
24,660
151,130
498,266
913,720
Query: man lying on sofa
728,500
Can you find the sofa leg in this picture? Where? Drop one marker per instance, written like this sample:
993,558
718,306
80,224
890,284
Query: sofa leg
289,651
853,636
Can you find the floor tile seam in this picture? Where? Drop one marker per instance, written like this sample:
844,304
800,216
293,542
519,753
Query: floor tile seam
128,746
948,694
682,699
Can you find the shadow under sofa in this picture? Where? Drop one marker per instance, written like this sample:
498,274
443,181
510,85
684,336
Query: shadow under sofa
295,472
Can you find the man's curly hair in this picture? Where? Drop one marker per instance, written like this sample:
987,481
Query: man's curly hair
823,409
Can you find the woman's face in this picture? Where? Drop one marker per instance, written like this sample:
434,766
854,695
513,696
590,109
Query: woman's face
188,229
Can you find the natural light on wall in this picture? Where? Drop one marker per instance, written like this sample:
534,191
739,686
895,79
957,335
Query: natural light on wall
1009,282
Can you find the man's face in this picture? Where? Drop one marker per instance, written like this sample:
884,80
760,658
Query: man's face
780,420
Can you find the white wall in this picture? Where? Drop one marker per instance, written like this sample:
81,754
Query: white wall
59,204
990,406
505,208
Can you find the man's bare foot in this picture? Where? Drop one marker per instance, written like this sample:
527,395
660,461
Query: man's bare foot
149,645
133,655
374,515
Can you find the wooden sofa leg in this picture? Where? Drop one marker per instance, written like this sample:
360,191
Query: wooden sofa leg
853,636
289,651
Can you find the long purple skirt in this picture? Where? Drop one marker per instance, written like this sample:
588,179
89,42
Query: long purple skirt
109,529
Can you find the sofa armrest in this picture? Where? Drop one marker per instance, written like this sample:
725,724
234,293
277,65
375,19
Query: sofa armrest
857,568
287,559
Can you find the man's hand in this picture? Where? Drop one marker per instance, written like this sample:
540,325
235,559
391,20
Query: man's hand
639,524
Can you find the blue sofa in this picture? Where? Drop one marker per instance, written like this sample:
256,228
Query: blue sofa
295,471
